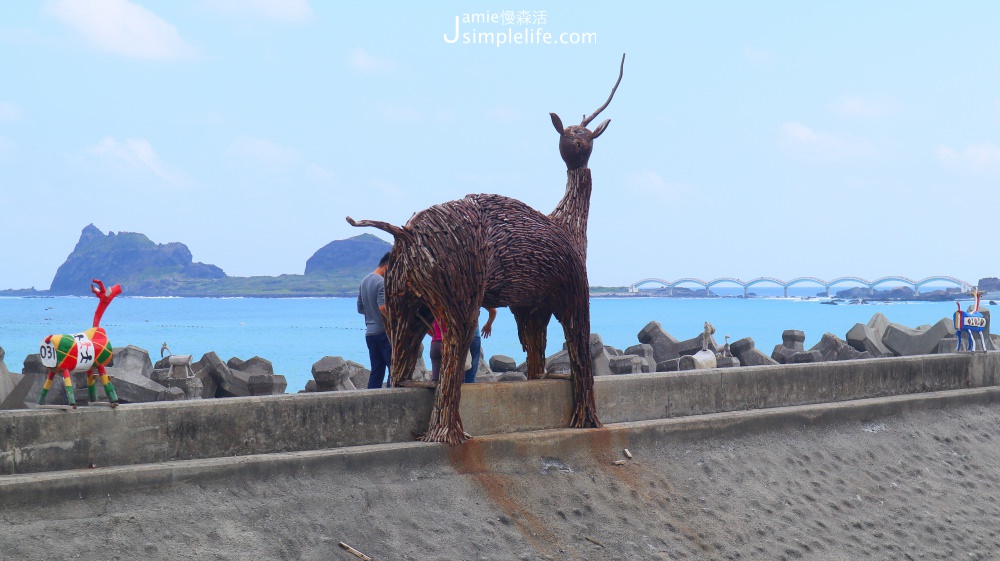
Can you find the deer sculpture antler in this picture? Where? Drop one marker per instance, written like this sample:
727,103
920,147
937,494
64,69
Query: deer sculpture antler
576,141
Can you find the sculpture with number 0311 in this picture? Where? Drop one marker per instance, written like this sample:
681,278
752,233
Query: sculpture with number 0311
89,351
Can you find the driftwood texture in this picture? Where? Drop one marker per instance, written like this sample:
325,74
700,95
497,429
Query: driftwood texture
495,251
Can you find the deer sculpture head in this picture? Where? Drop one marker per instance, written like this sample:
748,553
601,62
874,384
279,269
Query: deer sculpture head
577,141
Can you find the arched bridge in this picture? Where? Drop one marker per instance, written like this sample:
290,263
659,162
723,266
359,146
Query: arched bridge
827,284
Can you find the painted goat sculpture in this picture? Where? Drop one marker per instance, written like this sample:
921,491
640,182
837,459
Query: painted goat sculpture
494,251
88,352
969,322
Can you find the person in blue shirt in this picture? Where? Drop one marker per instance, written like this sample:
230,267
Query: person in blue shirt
371,303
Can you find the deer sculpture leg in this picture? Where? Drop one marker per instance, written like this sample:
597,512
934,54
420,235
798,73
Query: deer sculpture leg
532,330
446,423
109,388
91,386
67,384
407,325
576,326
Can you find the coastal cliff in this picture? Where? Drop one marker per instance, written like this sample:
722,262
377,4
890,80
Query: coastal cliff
131,259
146,268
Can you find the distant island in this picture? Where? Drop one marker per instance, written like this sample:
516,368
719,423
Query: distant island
145,268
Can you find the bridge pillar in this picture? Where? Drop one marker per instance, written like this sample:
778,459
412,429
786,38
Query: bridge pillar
633,288
786,292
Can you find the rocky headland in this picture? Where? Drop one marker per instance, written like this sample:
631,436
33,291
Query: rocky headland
146,268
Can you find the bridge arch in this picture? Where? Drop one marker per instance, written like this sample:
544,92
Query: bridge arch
801,280
634,287
746,285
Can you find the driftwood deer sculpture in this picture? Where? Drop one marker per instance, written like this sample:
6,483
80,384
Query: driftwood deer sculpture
493,251
88,352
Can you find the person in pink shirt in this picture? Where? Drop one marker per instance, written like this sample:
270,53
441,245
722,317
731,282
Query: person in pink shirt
436,331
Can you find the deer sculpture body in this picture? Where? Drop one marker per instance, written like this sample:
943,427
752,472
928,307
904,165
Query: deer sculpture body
970,322
494,251
88,352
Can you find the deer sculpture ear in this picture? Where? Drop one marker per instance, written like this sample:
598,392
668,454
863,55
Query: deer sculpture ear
556,122
600,128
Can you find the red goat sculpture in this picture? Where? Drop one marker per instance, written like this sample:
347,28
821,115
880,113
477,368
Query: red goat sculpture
88,352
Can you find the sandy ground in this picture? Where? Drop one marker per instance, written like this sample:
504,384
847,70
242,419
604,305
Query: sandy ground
919,486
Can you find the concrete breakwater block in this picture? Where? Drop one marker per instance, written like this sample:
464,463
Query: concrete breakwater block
628,364
131,373
922,340
645,352
746,351
239,378
332,373
867,337
7,379
791,342
666,346
502,363
831,347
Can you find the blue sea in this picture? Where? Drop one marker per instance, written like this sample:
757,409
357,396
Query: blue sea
295,333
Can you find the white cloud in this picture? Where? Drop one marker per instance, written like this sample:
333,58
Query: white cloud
10,112
399,114
6,148
809,143
758,56
320,174
281,11
262,151
138,153
648,183
122,28
974,158
363,61
854,106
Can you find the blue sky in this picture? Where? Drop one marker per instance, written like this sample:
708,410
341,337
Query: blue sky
747,139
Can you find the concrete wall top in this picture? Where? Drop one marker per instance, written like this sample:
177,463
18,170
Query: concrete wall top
50,440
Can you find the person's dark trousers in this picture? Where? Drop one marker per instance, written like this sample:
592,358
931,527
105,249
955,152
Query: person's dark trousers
476,349
380,353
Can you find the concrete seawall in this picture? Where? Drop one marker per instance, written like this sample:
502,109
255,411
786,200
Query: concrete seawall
35,441
755,463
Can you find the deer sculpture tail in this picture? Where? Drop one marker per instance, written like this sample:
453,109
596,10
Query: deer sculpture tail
397,232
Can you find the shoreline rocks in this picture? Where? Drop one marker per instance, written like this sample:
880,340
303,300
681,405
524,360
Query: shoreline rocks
176,377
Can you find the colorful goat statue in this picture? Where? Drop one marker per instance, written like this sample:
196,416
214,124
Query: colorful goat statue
969,322
88,352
